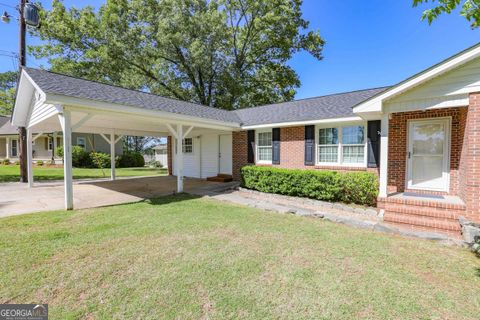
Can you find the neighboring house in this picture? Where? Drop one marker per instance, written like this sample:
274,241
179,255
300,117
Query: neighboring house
421,136
160,154
44,144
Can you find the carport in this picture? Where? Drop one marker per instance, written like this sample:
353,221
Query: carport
51,102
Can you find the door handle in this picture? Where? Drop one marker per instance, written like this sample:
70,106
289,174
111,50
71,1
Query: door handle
409,154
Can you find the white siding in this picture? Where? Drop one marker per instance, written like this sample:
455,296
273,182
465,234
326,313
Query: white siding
209,155
191,161
446,90
41,112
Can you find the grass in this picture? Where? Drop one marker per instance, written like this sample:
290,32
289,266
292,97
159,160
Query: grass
182,257
11,173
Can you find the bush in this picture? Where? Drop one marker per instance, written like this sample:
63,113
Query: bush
131,159
353,187
100,160
6,162
155,164
40,163
80,157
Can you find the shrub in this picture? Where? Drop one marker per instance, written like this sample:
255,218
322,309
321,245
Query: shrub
131,159
80,157
6,162
40,163
100,160
352,187
155,164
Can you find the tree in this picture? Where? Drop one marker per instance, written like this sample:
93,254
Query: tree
223,53
8,84
470,9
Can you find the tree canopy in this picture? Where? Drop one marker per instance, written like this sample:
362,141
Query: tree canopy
223,53
8,84
470,9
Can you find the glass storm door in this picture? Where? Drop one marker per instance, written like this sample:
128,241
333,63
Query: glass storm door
428,154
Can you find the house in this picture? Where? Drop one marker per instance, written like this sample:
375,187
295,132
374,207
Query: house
160,154
45,143
420,136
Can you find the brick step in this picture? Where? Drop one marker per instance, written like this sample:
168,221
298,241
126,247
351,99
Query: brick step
416,210
428,223
221,178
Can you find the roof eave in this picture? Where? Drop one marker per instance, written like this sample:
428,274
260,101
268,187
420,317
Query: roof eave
375,103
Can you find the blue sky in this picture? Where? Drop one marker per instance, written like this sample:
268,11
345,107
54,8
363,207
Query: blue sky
369,43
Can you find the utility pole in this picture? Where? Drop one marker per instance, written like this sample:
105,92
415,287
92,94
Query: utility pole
22,132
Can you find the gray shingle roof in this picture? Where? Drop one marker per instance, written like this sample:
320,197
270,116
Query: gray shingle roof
6,127
325,107
55,83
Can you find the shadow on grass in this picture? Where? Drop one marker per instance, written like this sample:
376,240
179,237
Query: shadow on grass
171,199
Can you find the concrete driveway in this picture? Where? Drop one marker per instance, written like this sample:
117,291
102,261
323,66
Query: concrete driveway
17,198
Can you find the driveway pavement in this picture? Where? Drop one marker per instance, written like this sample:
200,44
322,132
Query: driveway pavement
17,198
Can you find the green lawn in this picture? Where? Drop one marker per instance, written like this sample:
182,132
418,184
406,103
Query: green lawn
181,257
11,173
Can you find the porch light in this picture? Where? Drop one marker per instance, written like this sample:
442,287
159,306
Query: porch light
6,17
30,14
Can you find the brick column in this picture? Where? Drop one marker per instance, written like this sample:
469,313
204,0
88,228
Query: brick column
169,155
239,153
471,159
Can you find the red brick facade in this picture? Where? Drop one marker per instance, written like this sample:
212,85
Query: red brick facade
470,165
397,153
292,150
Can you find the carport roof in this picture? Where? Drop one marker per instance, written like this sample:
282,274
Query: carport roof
59,84
318,108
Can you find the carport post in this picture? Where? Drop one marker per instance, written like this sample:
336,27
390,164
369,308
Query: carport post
112,155
66,123
29,158
179,158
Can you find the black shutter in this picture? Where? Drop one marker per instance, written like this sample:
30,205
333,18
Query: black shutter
373,143
309,145
276,146
250,146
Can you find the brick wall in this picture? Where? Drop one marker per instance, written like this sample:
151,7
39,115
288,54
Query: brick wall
397,153
470,164
292,150
239,153
169,155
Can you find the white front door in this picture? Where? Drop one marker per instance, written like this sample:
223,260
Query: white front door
225,154
428,154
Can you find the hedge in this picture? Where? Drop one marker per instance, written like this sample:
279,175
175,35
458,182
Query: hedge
84,159
350,187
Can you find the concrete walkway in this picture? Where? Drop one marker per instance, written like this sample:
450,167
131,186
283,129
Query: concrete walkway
17,198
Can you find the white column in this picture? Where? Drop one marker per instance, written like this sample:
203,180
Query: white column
179,158
29,158
384,157
7,156
54,145
112,155
65,121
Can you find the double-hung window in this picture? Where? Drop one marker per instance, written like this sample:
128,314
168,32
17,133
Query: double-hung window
264,147
342,145
353,144
328,145
187,145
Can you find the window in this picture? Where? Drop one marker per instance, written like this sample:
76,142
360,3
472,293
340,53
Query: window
50,143
14,148
187,146
341,145
81,142
353,144
328,145
264,146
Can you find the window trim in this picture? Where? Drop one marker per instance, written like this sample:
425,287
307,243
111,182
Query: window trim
84,144
49,143
184,145
257,134
16,148
340,145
